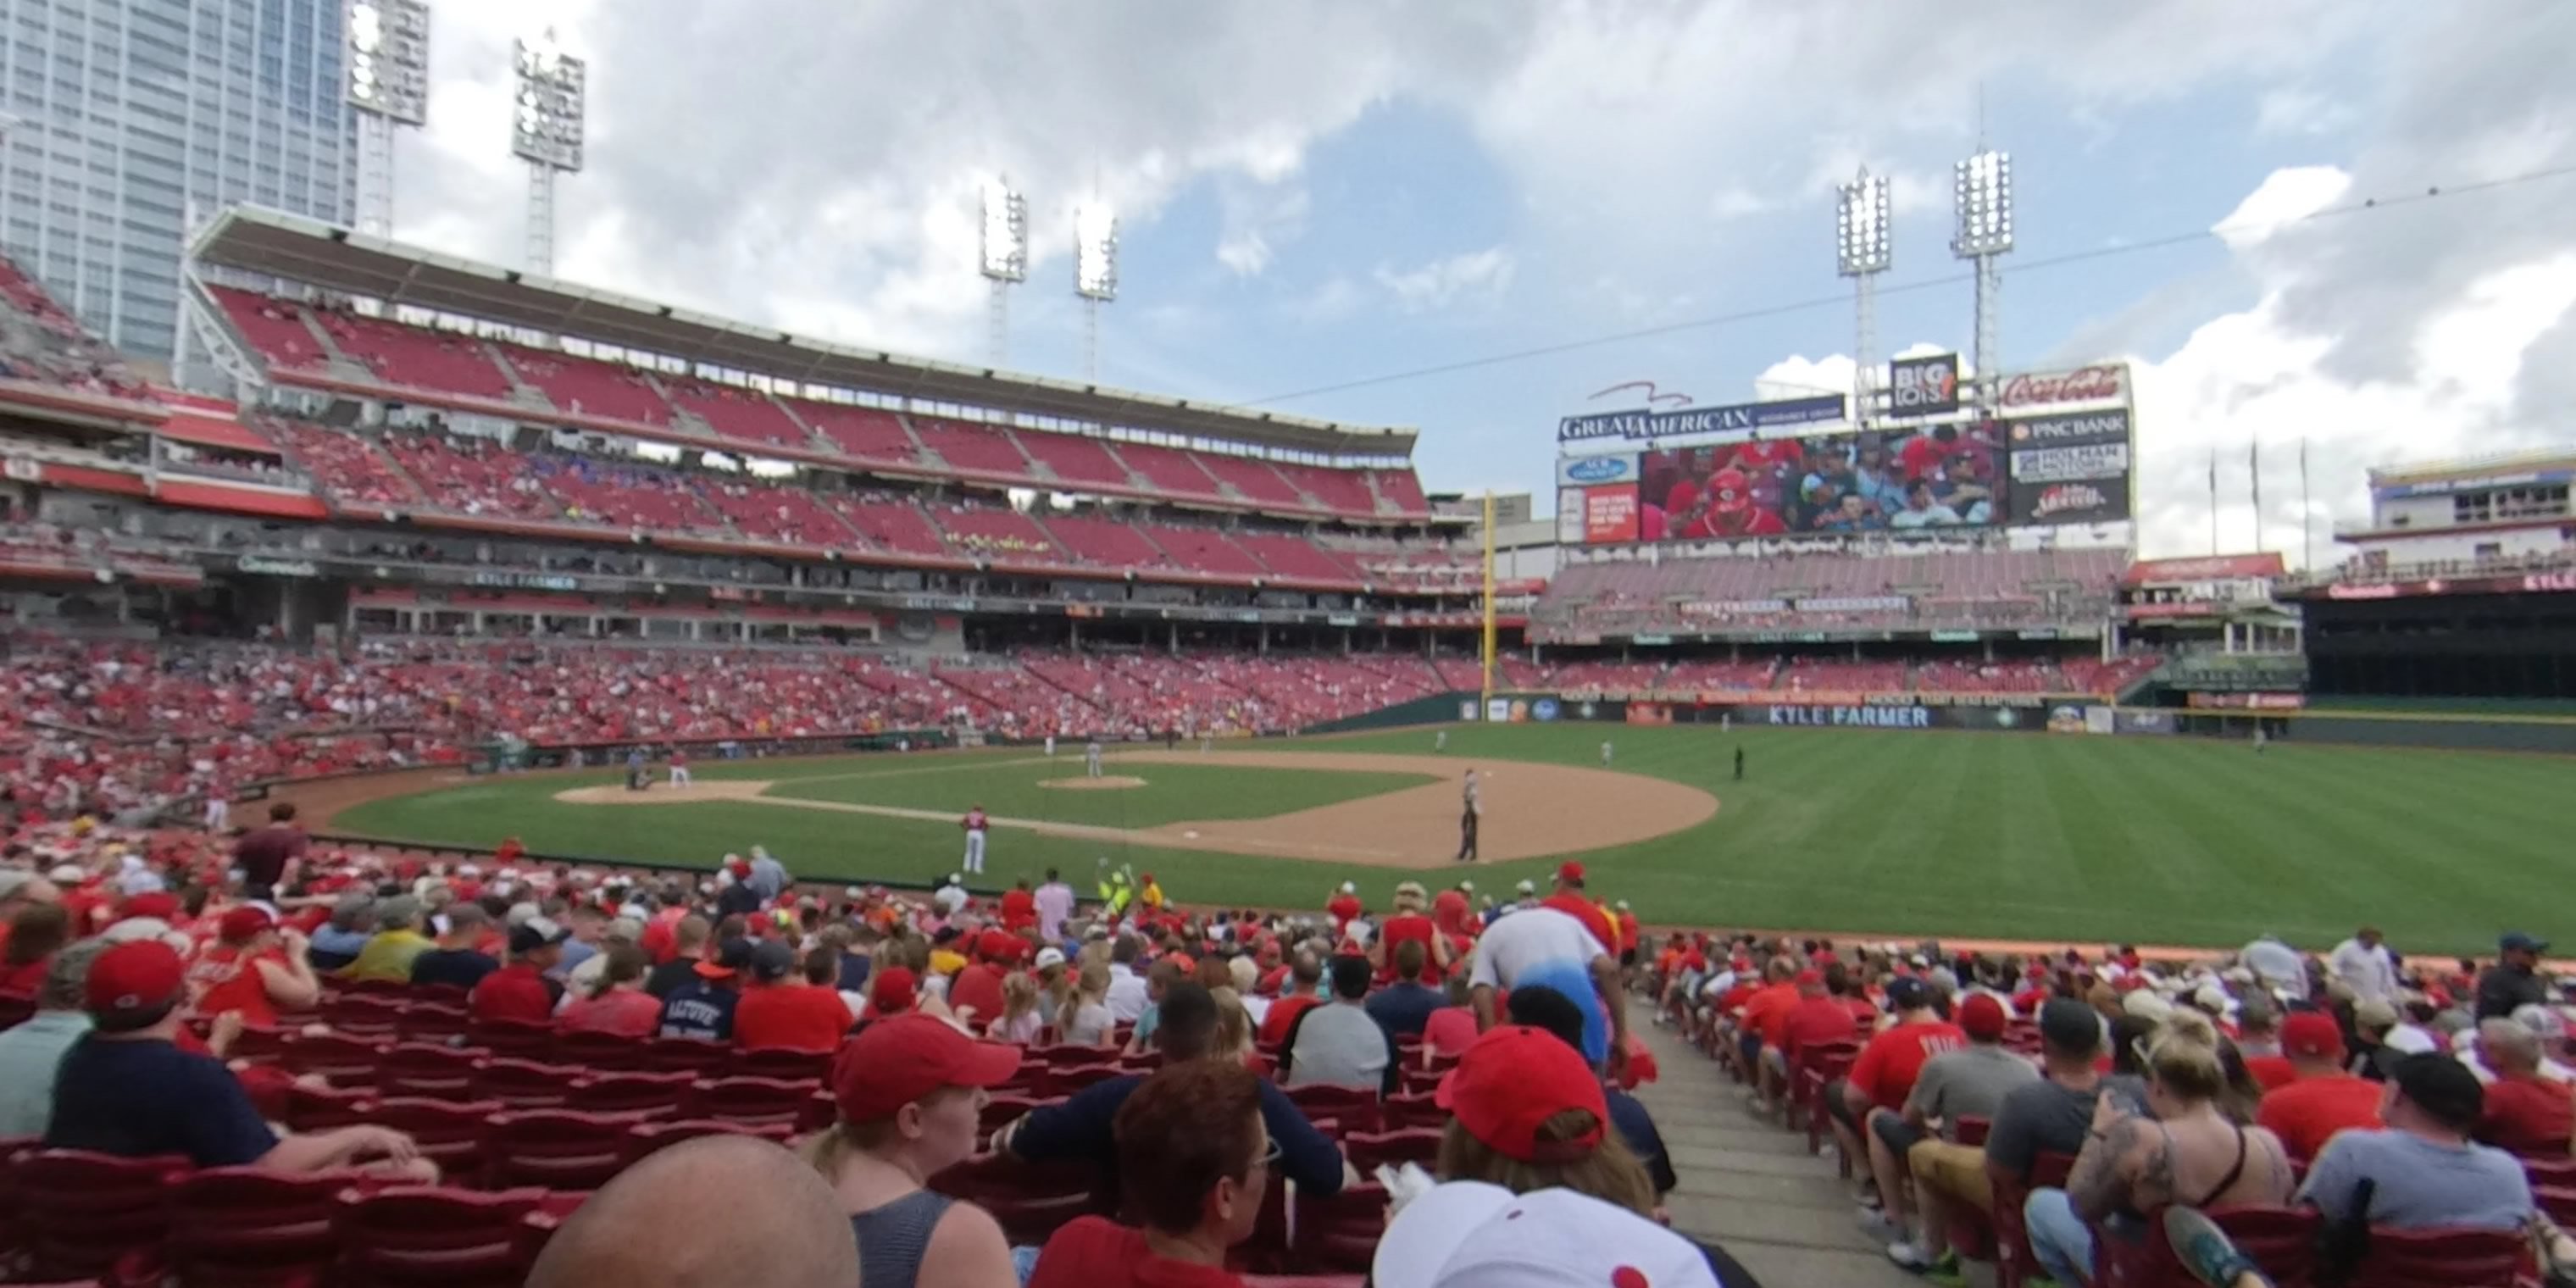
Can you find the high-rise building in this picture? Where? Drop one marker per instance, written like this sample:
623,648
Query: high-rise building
126,118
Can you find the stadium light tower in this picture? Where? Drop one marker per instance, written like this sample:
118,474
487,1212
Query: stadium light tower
1095,272
546,132
388,88
1861,253
1983,187
1006,257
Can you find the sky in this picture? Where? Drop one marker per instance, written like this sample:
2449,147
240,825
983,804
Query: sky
2337,225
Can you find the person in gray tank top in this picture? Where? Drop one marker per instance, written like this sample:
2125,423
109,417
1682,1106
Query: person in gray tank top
911,1092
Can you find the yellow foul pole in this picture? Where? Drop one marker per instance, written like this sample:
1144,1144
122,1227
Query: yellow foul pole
1487,655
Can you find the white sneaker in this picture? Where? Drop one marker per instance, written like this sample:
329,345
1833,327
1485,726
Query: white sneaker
1875,1224
1906,1253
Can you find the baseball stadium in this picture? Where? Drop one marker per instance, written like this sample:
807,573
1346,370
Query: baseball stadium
798,743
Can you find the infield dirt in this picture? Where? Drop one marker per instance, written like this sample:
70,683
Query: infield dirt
1529,810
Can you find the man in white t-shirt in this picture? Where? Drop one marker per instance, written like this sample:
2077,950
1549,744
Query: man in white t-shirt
1543,948
2363,961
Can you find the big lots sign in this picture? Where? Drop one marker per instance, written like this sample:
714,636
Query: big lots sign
2106,383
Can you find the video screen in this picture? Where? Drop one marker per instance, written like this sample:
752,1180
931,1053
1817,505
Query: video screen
1942,476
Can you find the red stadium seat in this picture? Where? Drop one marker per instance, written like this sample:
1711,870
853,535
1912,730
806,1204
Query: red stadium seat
524,1084
755,1102
644,1138
311,1109
1367,1150
429,1072
337,1058
555,1149
1339,1232
1031,1200
519,1039
2451,1258
657,1094
2014,1262
449,1132
427,1237
80,1213
244,1226
604,1052
437,1022
1065,1080
705,1059
364,1015
1003,1109
1413,1109
1356,1108
2281,1240
785,1063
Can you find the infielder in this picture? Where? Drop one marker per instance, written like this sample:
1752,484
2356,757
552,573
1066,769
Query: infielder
679,768
1091,758
1467,821
1605,753
975,824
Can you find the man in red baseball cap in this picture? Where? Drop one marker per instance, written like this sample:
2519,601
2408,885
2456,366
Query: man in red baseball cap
126,1089
1970,1082
2321,1098
911,1092
252,968
1568,898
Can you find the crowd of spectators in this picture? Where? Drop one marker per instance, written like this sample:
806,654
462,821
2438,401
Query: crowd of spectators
2053,1105
1445,1064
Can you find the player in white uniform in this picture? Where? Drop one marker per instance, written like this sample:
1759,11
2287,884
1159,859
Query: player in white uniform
219,810
1605,753
1091,758
1050,744
1440,741
975,824
679,768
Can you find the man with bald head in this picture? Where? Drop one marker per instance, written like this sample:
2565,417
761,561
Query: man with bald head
705,1213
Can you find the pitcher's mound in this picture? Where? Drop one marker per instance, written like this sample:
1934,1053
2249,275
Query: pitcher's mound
1107,782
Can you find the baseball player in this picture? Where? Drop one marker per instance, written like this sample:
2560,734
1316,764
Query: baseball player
1467,818
1440,741
1050,744
1091,758
679,768
636,778
975,824
1605,753
219,809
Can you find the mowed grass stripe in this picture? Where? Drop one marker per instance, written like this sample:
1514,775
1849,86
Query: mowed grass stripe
2025,835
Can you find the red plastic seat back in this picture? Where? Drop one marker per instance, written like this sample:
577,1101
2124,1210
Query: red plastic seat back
436,1237
339,1059
604,1052
449,1132
705,1059
555,1149
524,1084
1355,1108
243,1225
1366,1151
1339,1232
2450,1258
437,1022
525,1039
1065,1080
419,1069
81,1212
618,1093
364,1015
783,1063
1413,1109
1030,1200
644,1138
756,1101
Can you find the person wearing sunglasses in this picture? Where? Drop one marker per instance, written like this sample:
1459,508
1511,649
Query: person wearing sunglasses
1196,1161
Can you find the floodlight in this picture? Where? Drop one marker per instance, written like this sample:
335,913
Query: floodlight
1860,225
1983,186
1095,251
388,58
546,124
1006,233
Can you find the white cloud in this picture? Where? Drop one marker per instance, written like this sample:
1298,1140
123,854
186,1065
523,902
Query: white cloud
2295,111
1257,222
1475,277
2284,197
1799,376
1735,201
1336,298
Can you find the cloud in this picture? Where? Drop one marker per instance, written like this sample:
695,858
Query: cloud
1338,297
2285,197
1476,277
2296,111
1734,201
1257,220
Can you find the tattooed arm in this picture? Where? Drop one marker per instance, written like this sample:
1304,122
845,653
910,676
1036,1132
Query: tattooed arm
2099,1183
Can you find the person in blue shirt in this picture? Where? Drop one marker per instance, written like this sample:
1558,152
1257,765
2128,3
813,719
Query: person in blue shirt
127,1089
1082,1127
1402,1008
702,1008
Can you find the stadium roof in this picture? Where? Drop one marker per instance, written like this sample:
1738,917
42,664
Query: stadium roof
330,258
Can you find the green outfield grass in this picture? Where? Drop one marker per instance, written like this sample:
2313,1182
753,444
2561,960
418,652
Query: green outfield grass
2021,835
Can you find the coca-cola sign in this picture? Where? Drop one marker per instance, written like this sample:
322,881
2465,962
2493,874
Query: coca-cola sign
2105,383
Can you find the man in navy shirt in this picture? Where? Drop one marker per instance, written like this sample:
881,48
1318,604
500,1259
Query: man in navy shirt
1402,1008
126,1089
1083,1127
702,1008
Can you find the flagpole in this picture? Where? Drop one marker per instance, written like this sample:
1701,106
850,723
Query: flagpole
2307,517
2213,503
2254,470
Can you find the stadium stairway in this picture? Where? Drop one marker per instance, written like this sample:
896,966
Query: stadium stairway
1750,1186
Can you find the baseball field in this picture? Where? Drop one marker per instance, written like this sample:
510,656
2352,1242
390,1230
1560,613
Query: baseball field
1854,832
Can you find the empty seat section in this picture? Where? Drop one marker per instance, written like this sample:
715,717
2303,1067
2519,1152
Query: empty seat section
995,532
1346,491
1404,490
892,524
971,447
1255,480
863,432
782,513
1105,542
273,327
1207,550
1291,556
588,387
744,415
1168,469
1075,458
417,357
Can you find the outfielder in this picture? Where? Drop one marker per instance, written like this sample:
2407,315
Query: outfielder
1605,753
1091,758
1440,741
975,824
1467,819
679,768
1050,744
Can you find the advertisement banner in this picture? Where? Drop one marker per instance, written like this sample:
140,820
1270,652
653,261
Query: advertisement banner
1498,710
1610,514
1831,484
1467,708
2127,720
2033,391
2106,501
2066,464
1900,717
1569,516
1926,386
2100,720
2247,701
1649,713
1644,424
1592,471
2157,572
2069,430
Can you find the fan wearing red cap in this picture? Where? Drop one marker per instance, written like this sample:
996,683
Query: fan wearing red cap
252,968
1527,1113
1970,1082
2321,1098
125,1089
910,1090
1568,898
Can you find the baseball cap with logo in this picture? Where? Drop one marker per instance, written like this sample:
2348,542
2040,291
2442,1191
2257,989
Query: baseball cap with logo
2312,1034
535,933
1907,993
134,984
1569,873
732,955
1473,1234
238,924
1515,1078
892,991
902,1058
